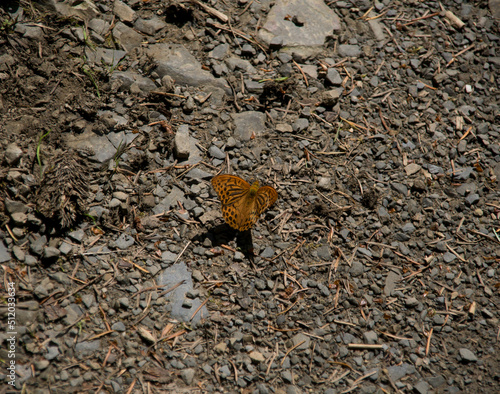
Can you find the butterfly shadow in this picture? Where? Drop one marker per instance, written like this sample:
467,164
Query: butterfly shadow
222,234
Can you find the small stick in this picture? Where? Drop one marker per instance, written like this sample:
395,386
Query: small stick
455,253
197,309
428,345
302,72
422,17
288,352
212,11
364,346
454,20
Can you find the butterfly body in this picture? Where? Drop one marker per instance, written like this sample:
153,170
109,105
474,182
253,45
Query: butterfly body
242,203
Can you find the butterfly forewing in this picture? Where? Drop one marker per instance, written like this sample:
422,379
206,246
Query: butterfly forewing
230,188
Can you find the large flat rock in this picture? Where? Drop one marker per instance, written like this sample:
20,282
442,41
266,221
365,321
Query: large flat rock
301,25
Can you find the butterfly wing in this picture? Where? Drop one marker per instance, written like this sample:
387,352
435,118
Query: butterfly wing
266,197
233,193
230,188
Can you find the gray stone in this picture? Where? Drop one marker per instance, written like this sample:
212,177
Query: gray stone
178,63
104,147
433,169
179,274
41,364
494,6
52,352
370,337
182,144
472,199
411,302
127,37
4,253
130,78
187,375
422,387
15,206
224,371
99,26
462,174
397,372
333,77
466,188
448,257
356,269
29,260
12,154
267,253
365,252
37,246
119,326
436,381
412,169
300,125
238,64
216,152
124,241
257,357
43,289
100,56
467,355
19,218
170,200
287,376
27,31
17,251
51,253
347,50
391,281
219,52
168,256
77,235
324,252
88,300
150,26
301,338
123,11
247,124
284,128
400,188
198,174
84,9
87,347
408,228
318,22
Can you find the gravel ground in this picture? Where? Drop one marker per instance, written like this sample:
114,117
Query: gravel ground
377,270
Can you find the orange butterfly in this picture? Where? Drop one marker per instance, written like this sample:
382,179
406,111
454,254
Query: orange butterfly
242,203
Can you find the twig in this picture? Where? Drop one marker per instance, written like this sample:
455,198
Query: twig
288,352
212,11
199,308
428,344
364,346
302,72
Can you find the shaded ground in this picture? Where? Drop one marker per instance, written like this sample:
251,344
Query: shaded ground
376,270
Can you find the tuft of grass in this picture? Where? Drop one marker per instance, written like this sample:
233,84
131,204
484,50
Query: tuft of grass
89,73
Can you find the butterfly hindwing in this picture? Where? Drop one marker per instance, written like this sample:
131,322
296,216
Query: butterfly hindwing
266,197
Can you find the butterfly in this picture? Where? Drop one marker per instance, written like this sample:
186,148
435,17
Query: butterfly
242,203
